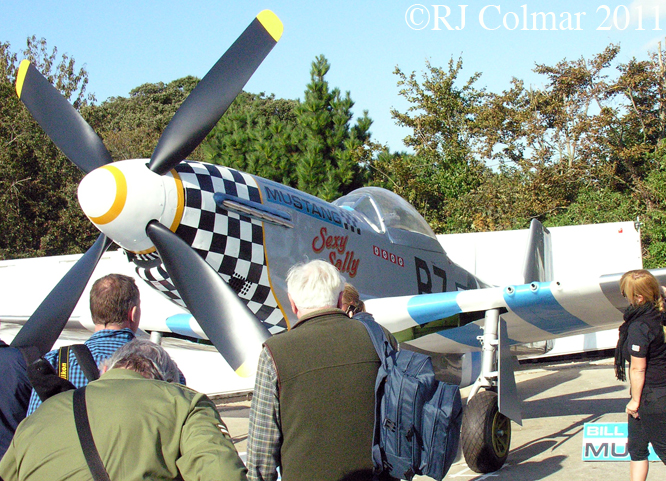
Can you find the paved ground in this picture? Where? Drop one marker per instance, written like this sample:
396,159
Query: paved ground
557,400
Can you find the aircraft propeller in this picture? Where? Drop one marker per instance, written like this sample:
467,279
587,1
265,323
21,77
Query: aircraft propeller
60,120
49,319
199,113
209,298
226,320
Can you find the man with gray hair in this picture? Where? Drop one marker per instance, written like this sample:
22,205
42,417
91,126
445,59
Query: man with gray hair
143,426
146,358
312,412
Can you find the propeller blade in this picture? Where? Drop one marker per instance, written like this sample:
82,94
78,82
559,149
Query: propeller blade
61,122
199,113
48,321
227,321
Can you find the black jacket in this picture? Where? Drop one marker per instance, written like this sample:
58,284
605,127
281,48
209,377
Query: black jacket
14,393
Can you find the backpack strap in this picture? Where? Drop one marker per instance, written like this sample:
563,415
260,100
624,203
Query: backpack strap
377,335
385,351
84,358
86,361
90,452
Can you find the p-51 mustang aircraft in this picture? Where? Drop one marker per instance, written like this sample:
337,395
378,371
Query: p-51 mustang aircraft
220,242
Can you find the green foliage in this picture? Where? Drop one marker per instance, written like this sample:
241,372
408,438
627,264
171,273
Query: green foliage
331,150
255,136
587,147
443,172
308,145
131,126
40,213
593,206
653,213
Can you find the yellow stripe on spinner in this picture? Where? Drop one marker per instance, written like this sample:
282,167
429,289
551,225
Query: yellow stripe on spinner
147,251
20,77
245,371
271,23
120,199
181,201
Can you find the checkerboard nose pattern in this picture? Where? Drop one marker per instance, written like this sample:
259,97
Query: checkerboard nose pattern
233,244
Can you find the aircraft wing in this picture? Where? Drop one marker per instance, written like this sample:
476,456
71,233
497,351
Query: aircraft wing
533,312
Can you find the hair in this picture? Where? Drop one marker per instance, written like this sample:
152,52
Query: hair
352,299
641,283
146,358
112,297
315,284
636,283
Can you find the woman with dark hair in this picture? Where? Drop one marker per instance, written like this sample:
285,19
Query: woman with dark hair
641,342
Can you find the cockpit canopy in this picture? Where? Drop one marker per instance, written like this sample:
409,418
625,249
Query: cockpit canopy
387,212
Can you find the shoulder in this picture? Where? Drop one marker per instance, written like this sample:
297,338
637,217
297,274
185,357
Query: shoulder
186,395
51,356
7,352
639,329
39,428
366,317
645,329
54,407
652,320
109,340
135,384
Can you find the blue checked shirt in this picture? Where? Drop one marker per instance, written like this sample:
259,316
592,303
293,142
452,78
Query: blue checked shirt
264,433
102,345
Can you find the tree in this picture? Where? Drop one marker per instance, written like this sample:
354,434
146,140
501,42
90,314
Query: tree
309,145
332,152
40,213
256,135
131,126
544,143
588,147
443,170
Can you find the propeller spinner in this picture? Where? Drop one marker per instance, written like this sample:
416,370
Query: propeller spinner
138,206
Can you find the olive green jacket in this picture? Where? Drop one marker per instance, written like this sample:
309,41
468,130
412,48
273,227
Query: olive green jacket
143,429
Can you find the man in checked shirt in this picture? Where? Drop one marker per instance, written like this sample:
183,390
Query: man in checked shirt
115,306
312,412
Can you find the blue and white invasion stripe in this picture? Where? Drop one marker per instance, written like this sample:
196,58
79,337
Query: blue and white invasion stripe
535,312
185,325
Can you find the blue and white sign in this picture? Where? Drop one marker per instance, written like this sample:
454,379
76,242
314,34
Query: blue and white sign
608,442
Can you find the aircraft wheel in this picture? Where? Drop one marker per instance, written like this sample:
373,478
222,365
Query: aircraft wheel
486,433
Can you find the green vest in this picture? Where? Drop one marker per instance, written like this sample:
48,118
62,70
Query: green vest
326,367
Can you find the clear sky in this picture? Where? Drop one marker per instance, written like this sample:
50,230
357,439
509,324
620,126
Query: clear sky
127,43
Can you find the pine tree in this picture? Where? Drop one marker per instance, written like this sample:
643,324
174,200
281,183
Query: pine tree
332,151
309,145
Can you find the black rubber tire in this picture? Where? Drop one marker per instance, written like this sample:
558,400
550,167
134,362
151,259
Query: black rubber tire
486,433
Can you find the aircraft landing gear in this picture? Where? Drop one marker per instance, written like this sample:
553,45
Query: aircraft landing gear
486,432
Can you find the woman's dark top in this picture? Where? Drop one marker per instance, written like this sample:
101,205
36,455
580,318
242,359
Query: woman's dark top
645,339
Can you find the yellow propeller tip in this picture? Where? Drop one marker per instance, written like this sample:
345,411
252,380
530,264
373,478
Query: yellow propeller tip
20,77
271,23
245,371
